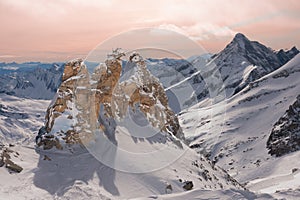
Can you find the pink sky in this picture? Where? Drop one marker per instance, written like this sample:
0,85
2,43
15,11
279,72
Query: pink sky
60,30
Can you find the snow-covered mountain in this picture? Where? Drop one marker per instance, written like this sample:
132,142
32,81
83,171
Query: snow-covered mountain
39,81
234,133
67,162
243,61
102,128
239,63
11,67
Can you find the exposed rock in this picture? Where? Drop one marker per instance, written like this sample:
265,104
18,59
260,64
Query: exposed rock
294,170
285,56
5,160
285,135
84,103
107,77
70,92
49,143
47,158
142,89
188,185
168,189
1,163
13,167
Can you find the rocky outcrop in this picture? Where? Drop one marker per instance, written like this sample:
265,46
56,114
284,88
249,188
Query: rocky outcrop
106,78
84,103
143,91
59,124
6,160
285,56
285,135
188,185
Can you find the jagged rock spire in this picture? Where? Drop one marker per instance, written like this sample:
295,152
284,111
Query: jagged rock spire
80,107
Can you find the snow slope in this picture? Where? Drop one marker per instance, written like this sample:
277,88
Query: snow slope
234,133
77,174
210,195
20,118
72,176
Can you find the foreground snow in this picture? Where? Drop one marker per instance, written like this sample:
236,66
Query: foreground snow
77,174
62,175
210,195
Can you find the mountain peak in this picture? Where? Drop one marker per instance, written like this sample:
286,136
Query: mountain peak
244,53
240,37
241,40
294,49
238,43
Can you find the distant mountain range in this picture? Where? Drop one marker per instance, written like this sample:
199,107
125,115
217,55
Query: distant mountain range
241,62
32,80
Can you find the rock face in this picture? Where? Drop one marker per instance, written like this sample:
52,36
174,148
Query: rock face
59,123
285,135
143,91
84,103
285,56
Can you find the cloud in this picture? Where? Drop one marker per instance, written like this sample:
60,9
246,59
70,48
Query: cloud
53,8
200,31
35,8
173,27
9,56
